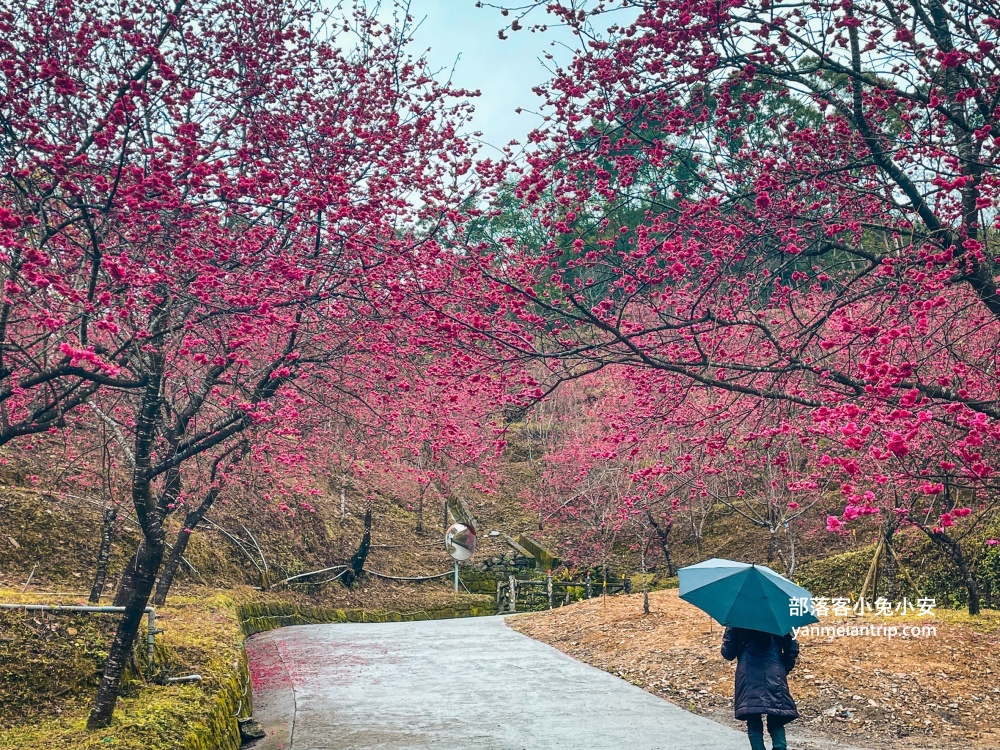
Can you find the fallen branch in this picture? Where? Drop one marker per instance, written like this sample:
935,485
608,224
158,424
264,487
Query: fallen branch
403,578
235,541
311,573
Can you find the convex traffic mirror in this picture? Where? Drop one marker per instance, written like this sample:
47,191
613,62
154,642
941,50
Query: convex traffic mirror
460,541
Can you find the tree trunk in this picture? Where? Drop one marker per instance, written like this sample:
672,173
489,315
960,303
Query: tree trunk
193,518
663,537
420,508
142,581
191,521
343,496
953,550
103,554
791,550
696,532
174,560
152,527
358,559
127,583
134,592
772,546
645,586
139,577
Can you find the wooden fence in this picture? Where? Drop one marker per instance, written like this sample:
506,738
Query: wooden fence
531,595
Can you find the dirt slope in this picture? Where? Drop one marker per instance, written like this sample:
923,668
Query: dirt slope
935,693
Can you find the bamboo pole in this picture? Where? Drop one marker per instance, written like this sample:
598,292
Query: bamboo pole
872,568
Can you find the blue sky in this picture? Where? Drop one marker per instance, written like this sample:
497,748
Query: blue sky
504,71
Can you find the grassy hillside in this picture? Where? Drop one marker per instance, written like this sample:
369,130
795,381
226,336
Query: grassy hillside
52,536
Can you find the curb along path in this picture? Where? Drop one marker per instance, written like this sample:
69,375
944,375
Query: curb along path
467,683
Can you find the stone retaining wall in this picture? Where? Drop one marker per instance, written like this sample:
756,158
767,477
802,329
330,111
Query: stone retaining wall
221,732
257,617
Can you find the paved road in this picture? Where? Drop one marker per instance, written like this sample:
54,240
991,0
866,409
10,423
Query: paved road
468,684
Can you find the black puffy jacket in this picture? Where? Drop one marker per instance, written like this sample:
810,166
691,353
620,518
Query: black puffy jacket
764,661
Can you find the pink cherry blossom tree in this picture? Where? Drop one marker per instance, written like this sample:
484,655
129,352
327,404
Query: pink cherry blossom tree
783,202
208,208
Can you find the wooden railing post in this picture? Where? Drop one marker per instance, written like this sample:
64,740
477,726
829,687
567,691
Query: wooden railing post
548,586
513,594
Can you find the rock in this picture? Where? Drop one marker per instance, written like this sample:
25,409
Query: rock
250,730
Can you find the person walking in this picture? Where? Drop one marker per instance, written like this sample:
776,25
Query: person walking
763,663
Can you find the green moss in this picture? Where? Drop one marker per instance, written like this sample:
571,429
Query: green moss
159,718
478,581
201,635
837,575
933,573
46,659
219,730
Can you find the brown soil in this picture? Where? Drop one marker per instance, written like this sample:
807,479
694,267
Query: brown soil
928,693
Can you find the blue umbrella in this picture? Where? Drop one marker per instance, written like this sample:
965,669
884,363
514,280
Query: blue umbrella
746,596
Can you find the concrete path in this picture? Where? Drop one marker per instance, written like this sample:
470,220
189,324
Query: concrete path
466,684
